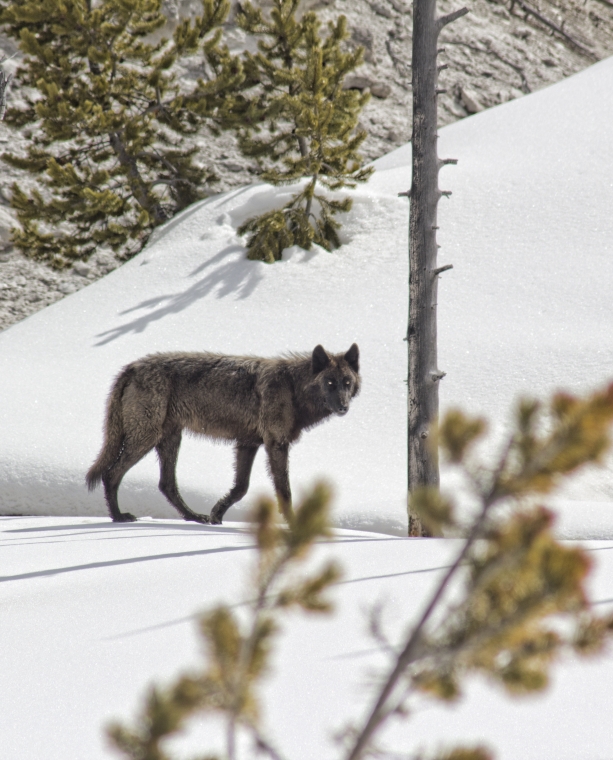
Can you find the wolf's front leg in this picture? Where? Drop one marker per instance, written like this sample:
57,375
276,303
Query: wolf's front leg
278,462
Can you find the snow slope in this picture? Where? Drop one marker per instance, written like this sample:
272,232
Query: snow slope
91,612
525,309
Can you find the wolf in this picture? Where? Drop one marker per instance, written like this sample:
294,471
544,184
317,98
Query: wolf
249,400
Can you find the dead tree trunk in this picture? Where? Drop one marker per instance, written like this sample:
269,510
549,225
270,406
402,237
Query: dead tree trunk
4,83
424,375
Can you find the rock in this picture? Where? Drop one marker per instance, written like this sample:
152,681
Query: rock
232,166
470,101
381,10
357,82
66,288
80,267
380,90
457,109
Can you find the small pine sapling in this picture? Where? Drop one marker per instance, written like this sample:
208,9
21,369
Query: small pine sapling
105,120
296,120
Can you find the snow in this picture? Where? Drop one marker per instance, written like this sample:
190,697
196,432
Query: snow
92,612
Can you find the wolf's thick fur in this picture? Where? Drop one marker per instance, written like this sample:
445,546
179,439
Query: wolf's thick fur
248,400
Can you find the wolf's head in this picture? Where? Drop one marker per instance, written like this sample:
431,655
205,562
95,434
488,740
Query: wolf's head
338,377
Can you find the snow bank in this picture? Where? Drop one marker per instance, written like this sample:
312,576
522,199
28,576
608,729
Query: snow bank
93,613
525,309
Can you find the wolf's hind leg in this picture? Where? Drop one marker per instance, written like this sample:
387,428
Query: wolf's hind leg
131,453
244,462
278,463
168,452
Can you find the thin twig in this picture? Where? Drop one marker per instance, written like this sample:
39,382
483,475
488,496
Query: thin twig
264,745
451,17
533,12
375,629
411,647
399,64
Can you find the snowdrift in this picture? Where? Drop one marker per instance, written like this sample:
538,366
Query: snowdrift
526,308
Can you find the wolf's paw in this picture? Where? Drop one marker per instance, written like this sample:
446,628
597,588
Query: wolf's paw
214,519
124,517
202,519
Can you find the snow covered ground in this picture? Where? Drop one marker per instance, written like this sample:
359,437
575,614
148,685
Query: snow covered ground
92,611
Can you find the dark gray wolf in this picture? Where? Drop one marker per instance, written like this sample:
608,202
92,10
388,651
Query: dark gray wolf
245,399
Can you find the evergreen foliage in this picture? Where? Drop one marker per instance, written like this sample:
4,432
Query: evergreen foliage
518,596
297,121
106,120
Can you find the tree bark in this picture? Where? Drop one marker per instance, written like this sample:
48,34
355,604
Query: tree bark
424,375
137,185
4,83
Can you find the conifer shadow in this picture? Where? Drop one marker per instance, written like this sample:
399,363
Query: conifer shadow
228,277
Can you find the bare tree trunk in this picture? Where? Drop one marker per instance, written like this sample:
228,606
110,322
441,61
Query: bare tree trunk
4,83
424,375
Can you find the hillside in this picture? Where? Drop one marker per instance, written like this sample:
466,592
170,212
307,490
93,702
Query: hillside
93,613
524,310
499,52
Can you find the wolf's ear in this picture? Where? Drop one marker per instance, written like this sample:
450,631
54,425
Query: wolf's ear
352,357
320,359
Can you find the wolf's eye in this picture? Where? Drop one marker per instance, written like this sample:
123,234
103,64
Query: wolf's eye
346,382
330,383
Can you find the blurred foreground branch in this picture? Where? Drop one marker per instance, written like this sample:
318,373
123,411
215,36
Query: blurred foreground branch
237,649
511,603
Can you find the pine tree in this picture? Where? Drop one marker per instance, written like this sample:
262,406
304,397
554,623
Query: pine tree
297,121
107,121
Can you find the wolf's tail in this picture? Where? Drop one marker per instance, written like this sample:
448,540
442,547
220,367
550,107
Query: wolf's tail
113,431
